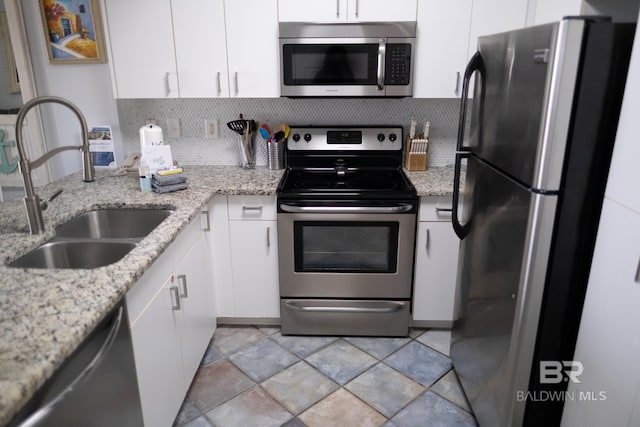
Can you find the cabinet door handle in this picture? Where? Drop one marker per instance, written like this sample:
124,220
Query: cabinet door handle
268,237
337,8
357,8
442,211
235,80
456,86
208,221
257,209
182,283
637,279
175,298
428,242
219,88
171,81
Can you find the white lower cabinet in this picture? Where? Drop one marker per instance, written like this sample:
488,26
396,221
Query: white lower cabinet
254,256
436,265
171,324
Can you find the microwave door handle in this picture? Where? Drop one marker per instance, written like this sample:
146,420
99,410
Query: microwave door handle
382,54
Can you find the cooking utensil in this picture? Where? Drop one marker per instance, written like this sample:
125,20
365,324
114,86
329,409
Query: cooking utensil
237,126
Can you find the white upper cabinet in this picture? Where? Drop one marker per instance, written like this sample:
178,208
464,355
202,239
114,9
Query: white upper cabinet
193,48
346,10
546,11
439,65
252,48
200,46
495,16
142,55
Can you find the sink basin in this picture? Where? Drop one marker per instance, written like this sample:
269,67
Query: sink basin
74,254
113,224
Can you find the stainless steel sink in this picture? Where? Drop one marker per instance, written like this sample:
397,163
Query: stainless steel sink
113,224
94,239
74,254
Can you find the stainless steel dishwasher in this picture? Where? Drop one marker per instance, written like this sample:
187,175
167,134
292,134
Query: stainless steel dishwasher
96,386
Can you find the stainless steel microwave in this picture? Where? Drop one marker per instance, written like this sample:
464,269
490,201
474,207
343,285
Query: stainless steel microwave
347,59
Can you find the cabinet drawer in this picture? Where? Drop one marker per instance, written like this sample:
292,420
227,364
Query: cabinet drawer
435,208
252,207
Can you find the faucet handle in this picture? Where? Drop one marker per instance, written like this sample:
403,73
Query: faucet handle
45,203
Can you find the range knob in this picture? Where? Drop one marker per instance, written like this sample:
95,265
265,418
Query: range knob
392,137
307,137
381,137
296,137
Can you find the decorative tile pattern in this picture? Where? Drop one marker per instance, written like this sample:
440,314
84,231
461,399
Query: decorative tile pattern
216,383
302,345
303,394
434,411
194,148
341,361
437,339
449,388
231,339
262,359
252,408
420,363
378,347
299,387
211,355
385,389
341,409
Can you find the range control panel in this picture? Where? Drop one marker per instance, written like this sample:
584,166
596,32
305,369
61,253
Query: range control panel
345,138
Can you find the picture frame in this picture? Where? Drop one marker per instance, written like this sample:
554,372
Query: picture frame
72,31
13,82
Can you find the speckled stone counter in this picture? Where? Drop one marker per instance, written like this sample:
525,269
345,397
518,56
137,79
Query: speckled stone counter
45,313
435,181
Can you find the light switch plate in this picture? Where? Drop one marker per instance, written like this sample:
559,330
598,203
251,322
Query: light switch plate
173,128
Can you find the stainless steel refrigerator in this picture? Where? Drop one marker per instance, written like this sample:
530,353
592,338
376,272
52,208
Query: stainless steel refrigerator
542,126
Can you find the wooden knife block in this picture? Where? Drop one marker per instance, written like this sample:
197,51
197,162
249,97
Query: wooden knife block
415,161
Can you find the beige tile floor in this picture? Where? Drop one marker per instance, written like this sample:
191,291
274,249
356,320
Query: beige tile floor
254,376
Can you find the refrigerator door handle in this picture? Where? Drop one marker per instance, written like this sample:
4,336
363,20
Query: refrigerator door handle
460,229
475,64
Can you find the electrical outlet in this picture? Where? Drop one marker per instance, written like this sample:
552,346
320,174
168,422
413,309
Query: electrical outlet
173,128
211,128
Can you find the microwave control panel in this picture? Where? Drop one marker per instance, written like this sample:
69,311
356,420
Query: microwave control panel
397,64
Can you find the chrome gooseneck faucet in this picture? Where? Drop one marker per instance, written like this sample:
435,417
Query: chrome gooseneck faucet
32,202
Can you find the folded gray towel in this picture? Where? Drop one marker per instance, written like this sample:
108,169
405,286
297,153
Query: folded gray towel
176,178
169,188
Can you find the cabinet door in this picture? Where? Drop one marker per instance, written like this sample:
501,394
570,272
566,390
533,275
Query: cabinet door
312,10
495,16
196,322
553,10
142,55
608,343
254,259
158,359
201,48
435,272
439,66
252,48
381,10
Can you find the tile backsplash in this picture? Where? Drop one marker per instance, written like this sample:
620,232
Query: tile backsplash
194,148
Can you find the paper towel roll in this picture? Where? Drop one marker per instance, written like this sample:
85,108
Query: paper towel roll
150,135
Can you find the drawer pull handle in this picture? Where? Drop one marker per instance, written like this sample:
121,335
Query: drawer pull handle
428,243
445,210
208,220
175,298
268,237
638,273
182,280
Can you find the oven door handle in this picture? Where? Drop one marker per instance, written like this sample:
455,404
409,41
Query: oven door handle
346,209
392,308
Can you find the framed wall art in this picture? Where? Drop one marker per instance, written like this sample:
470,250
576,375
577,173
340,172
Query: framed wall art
72,31
9,60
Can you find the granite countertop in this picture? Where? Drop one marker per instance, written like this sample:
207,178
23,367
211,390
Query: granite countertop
46,313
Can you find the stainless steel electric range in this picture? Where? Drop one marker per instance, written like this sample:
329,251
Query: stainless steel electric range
346,230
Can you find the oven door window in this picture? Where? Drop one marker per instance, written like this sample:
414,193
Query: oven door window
345,247
330,64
